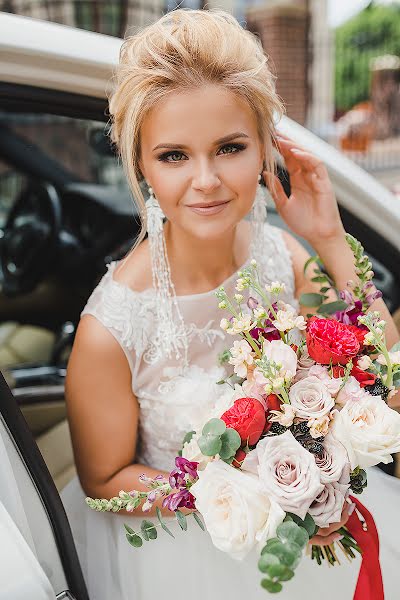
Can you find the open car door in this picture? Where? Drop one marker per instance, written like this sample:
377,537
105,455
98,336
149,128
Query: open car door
38,559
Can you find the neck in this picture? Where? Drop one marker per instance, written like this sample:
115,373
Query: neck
201,265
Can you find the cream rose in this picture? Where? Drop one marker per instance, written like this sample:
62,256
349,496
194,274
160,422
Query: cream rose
328,505
237,514
351,391
332,383
310,398
288,473
333,462
369,430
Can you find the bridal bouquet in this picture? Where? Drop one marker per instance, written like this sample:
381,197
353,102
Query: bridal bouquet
305,413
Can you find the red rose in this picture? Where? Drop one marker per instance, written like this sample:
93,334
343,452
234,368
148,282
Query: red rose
359,332
329,341
247,417
363,377
239,458
273,402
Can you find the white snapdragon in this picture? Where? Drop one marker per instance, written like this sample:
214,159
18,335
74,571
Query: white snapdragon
288,319
364,363
275,287
259,312
240,325
319,427
284,417
241,357
224,324
393,356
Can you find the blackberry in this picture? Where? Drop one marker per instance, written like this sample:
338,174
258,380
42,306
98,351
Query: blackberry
277,428
378,389
315,447
358,480
301,429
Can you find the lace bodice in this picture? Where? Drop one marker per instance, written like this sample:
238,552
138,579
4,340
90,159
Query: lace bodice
173,402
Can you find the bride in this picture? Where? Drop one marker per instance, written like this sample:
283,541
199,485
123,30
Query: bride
193,114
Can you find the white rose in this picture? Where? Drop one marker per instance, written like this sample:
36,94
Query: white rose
237,514
333,461
351,391
369,430
328,505
192,452
310,398
279,352
332,383
287,472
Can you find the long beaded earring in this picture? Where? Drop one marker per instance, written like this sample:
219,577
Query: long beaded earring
171,327
258,216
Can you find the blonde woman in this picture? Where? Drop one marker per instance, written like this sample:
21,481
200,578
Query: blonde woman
193,112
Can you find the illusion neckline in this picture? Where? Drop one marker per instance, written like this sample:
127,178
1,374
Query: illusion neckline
112,265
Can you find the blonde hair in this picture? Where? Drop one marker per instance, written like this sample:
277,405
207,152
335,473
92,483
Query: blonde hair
183,50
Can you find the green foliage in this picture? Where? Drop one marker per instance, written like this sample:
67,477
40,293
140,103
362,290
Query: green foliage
373,32
230,443
162,522
311,299
149,531
199,520
181,520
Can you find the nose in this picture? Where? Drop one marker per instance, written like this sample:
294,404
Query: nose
206,178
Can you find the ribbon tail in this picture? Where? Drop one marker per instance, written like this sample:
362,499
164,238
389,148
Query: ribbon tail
369,584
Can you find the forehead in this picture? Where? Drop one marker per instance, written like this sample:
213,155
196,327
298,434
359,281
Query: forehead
197,116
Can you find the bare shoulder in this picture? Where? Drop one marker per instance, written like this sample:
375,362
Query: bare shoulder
134,270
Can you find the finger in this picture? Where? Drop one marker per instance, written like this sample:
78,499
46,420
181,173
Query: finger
287,141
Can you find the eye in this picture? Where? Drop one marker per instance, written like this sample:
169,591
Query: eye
167,155
236,148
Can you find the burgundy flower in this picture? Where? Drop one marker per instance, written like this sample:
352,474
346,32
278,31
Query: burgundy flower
181,499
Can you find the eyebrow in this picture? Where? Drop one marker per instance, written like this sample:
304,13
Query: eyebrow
227,138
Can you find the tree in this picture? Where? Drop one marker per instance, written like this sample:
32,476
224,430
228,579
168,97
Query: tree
373,32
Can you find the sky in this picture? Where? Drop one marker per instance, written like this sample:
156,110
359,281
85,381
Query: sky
340,11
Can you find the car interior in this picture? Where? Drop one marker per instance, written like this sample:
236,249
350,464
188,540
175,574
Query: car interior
65,213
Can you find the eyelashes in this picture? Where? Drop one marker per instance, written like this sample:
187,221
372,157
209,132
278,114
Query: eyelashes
166,156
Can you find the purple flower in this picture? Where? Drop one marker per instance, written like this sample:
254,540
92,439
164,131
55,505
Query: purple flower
181,499
252,303
186,466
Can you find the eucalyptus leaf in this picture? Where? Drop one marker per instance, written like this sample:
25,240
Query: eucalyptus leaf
308,523
325,289
162,522
135,540
149,531
210,445
396,347
331,307
320,279
291,532
129,529
230,443
199,521
288,553
181,520
271,586
311,299
188,437
280,572
214,427
266,560
309,262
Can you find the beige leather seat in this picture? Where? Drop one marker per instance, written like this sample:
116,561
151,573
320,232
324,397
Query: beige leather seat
55,446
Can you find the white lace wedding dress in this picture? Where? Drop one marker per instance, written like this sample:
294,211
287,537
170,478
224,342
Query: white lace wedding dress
190,566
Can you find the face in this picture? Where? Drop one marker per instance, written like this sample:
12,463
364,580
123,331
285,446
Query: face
201,154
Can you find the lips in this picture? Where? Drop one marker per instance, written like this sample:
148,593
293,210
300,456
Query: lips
212,208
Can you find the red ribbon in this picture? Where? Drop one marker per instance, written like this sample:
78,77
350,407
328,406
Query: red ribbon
369,584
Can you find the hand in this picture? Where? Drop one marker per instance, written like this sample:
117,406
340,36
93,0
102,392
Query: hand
326,535
311,211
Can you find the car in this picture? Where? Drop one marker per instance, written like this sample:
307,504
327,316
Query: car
65,213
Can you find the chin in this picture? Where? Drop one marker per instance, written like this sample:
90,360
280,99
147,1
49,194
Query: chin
213,230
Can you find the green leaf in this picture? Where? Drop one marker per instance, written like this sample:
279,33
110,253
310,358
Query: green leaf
310,299
230,443
214,427
308,523
332,307
149,531
210,445
135,540
266,560
181,520
188,437
271,586
323,290
288,553
320,279
199,521
309,261
129,529
280,572
396,379
162,522
291,532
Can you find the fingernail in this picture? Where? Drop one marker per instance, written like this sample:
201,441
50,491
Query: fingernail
351,508
336,538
